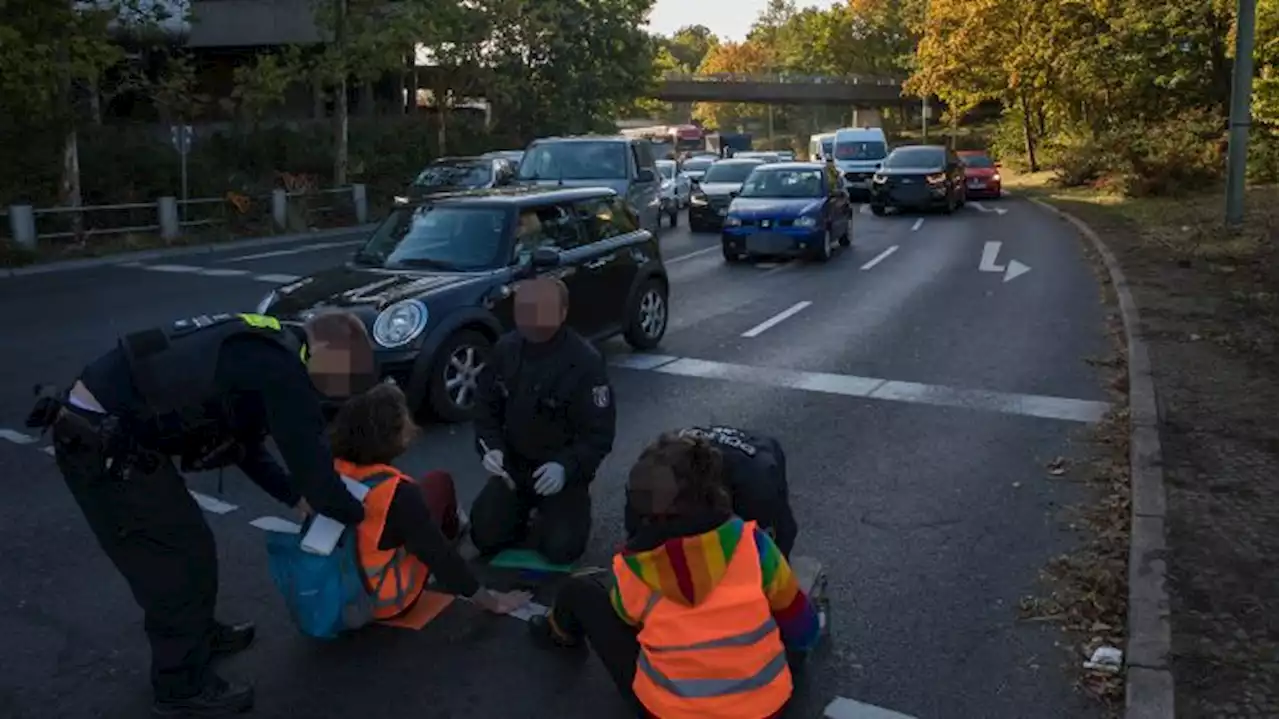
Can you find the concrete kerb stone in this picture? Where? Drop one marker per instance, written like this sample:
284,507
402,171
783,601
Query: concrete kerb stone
167,252
1149,691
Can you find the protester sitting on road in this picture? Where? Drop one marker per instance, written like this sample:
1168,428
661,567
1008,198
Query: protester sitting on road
755,469
410,529
544,423
697,595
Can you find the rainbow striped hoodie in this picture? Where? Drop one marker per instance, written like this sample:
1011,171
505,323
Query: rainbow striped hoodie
686,567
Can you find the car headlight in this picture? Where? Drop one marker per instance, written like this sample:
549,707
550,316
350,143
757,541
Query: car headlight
400,324
878,179
732,222
995,177
936,179
698,198
806,221
265,303
400,200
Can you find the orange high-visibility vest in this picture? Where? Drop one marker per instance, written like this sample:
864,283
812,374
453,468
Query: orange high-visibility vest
722,659
394,577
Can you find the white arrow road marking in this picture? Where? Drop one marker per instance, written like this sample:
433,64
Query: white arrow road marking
916,226
990,251
841,708
983,208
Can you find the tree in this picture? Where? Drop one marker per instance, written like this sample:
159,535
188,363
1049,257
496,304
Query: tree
262,84
745,58
688,47
1266,56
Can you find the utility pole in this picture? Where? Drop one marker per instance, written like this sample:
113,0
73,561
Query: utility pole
1241,94
924,118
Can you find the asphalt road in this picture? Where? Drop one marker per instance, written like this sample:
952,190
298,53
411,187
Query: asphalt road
918,397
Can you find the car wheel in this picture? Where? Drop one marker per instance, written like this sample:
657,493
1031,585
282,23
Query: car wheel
846,239
647,315
455,375
729,255
823,253
878,210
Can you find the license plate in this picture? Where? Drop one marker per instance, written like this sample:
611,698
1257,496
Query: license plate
976,184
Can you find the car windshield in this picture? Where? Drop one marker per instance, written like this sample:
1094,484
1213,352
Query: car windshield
454,174
437,237
667,170
977,161
922,157
590,160
859,150
827,145
698,164
729,172
783,183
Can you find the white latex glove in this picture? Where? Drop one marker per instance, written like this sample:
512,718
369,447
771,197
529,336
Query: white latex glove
549,479
493,462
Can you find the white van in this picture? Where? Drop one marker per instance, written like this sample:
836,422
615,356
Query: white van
821,145
859,152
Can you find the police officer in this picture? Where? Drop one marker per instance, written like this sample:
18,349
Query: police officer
755,470
545,421
207,390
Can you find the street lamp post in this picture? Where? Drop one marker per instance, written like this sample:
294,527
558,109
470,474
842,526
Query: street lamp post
1241,92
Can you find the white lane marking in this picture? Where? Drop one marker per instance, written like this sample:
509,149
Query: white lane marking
278,279
292,251
841,708
880,258
16,437
223,272
779,268
864,210
983,208
1028,405
47,450
641,361
991,251
691,255
172,268
916,226
276,524
776,319
212,504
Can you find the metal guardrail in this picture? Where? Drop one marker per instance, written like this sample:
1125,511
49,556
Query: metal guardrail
169,217
784,79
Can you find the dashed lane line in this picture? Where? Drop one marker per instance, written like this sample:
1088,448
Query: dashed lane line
276,279
776,319
292,251
879,258
918,223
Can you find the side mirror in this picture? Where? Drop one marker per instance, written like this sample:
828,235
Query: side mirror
646,175
545,258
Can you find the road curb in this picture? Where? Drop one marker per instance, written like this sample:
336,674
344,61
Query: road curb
1149,691
167,252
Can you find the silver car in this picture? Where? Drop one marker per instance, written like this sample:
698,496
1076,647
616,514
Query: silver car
623,165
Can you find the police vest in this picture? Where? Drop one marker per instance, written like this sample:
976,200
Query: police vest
721,659
395,579
173,367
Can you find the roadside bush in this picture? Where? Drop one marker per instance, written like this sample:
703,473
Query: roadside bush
1264,156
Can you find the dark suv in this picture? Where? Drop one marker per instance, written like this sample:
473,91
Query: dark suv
434,282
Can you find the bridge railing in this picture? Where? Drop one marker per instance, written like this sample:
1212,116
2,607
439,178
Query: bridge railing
784,78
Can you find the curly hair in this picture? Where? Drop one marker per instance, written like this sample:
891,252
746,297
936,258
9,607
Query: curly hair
676,477
373,428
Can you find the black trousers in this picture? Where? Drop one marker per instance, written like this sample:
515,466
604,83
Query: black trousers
154,532
582,610
500,518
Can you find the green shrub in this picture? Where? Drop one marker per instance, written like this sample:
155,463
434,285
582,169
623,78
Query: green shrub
1264,155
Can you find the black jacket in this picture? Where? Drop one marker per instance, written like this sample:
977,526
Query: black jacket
546,402
263,390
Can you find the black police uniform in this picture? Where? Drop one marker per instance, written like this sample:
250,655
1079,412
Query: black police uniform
756,471
538,403
207,390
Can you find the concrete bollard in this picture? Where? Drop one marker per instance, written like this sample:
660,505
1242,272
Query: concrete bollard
170,228
360,198
280,209
22,225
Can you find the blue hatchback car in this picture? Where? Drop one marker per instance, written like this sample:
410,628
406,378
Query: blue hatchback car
791,209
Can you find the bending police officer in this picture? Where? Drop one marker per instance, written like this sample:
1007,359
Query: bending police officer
207,390
545,421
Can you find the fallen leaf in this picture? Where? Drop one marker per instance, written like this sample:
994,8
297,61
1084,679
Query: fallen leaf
1058,466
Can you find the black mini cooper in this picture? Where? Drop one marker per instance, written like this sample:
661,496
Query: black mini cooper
434,282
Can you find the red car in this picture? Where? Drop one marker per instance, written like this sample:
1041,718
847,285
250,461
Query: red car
981,175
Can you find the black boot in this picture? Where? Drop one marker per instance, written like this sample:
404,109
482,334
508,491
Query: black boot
218,698
232,638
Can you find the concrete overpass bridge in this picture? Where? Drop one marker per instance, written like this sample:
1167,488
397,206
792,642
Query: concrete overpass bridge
780,89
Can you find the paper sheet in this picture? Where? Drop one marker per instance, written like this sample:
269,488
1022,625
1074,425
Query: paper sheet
529,611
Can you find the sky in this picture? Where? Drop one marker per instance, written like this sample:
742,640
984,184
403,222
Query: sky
728,19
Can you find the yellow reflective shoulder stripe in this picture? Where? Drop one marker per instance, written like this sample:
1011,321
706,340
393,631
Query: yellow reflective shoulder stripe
262,322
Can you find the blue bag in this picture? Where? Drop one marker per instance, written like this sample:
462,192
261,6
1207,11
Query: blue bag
326,595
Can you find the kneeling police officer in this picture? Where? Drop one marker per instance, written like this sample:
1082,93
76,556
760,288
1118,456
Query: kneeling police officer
207,390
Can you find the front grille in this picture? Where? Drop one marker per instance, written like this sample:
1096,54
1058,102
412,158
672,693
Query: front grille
909,181
858,176
718,202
